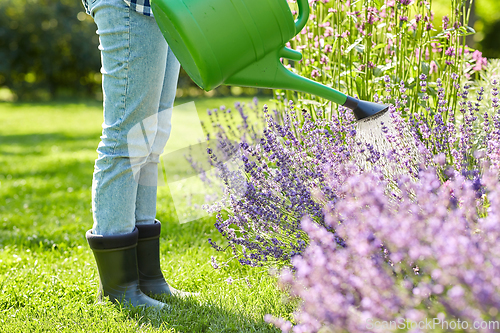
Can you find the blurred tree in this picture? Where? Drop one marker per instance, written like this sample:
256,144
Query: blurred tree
487,27
47,47
490,43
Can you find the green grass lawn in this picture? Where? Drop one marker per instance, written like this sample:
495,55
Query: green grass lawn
48,278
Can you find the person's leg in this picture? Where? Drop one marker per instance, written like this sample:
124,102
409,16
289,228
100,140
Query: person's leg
134,57
148,175
151,278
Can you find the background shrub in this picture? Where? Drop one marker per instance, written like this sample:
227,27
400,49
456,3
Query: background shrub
47,47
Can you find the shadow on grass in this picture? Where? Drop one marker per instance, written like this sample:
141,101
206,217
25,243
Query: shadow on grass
59,102
193,315
45,139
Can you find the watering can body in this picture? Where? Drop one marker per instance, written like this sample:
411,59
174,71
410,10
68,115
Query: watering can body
238,42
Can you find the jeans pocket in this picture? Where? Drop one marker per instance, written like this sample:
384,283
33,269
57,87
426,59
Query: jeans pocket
92,5
95,5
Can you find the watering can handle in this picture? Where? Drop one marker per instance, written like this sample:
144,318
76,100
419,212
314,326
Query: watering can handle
303,15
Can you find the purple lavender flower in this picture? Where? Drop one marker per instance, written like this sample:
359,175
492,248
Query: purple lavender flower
408,256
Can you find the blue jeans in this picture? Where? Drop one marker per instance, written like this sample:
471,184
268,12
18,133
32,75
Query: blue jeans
139,80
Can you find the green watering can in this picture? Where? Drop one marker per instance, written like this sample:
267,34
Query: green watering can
240,43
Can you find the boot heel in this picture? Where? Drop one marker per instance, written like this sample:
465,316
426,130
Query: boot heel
151,280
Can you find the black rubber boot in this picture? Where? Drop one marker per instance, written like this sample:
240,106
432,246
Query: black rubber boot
151,278
116,259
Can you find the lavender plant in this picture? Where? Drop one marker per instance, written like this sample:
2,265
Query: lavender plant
304,172
473,128
429,251
285,165
286,169
283,171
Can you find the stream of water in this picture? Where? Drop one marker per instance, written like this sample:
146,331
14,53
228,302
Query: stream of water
397,141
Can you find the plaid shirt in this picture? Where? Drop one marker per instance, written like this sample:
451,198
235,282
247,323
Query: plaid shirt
140,6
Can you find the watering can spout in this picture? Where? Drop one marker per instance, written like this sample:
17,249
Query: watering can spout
364,109
269,72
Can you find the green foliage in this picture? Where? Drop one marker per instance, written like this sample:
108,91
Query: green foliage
47,47
351,46
488,10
